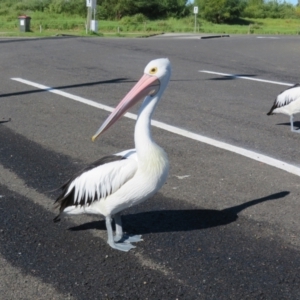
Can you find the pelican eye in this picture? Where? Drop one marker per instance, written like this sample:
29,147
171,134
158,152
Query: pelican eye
153,70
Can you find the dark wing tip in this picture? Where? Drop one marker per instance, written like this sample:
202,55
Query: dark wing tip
272,108
68,199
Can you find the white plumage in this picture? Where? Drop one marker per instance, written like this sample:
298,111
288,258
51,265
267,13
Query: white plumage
102,181
288,103
116,182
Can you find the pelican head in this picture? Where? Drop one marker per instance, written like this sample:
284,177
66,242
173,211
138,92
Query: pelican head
152,84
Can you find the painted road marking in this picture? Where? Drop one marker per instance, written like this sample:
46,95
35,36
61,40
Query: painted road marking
268,37
182,132
245,77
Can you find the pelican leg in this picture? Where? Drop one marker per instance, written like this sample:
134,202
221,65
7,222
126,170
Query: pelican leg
119,246
292,122
120,236
292,125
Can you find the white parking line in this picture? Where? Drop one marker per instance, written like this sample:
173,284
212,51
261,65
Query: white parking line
246,77
182,132
268,37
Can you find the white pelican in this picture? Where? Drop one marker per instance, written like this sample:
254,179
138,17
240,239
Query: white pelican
288,103
119,181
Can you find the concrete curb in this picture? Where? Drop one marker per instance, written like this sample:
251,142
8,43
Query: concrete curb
214,36
150,35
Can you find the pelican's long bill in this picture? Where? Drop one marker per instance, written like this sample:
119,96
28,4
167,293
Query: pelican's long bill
146,86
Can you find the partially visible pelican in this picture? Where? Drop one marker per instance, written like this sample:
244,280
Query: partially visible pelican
116,182
288,103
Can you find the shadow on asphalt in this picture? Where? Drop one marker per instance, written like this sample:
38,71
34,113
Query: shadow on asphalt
233,76
179,220
146,218
5,120
116,80
34,39
296,124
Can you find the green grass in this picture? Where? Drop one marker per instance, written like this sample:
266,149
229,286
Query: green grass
276,26
53,24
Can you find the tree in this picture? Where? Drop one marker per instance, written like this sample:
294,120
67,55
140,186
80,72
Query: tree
173,8
219,11
270,9
74,7
255,2
152,9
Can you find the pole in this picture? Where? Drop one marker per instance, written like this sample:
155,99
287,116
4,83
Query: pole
195,13
88,22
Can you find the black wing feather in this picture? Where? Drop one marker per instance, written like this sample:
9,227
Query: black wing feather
64,200
275,105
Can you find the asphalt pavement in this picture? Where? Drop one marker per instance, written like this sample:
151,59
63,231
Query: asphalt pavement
224,226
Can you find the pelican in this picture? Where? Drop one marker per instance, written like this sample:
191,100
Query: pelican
116,182
288,103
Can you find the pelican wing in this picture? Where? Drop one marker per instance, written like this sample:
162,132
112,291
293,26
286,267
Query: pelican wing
286,97
99,180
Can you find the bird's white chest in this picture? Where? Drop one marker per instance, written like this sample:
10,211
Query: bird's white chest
151,174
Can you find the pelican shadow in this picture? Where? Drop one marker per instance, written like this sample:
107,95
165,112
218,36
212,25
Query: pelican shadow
5,120
296,124
231,77
71,86
179,220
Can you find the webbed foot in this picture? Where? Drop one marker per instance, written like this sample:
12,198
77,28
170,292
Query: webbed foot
121,246
125,238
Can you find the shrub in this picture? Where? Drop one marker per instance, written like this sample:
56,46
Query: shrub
138,18
3,12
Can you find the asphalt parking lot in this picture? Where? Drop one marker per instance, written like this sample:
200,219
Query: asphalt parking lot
224,226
